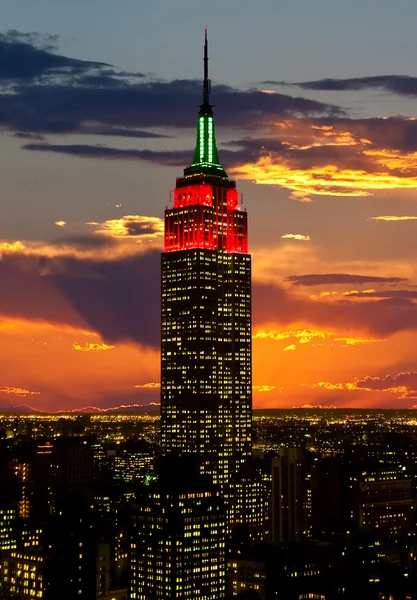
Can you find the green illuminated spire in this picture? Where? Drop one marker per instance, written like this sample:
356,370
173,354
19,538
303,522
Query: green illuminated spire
206,156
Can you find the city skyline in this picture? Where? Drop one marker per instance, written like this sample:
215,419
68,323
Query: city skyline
326,161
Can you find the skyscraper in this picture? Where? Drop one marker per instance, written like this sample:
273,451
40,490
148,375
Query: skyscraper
289,496
206,380
178,543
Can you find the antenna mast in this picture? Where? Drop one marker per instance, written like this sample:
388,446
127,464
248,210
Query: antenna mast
206,83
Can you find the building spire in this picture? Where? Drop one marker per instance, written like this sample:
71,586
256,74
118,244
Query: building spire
206,157
206,83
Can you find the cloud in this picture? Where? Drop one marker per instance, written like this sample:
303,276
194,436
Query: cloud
403,385
26,57
52,93
389,218
60,223
376,318
289,348
176,159
341,278
382,294
314,406
90,347
296,236
403,85
114,295
17,391
314,337
309,147
334,156
263,388
111,285
131,226
148,386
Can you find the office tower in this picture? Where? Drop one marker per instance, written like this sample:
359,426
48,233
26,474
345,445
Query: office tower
289,495
60,562
133,461
381,499
328,493
30,463
73,469
250,512
7,527
179,537
206,313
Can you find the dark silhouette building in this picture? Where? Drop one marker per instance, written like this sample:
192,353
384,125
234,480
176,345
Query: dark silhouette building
289,495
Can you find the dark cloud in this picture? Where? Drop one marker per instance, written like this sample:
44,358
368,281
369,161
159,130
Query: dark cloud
21,135
341,278
403,85
175,158
119,299
376,317
389,382
57,94
25,57
384,294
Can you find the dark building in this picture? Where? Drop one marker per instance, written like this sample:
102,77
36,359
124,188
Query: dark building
380,500
206,383
47,472
55,562
133,461
178,545
329,497
289,495
349,568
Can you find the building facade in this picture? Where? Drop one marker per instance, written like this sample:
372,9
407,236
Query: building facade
206,381
178,545
289,496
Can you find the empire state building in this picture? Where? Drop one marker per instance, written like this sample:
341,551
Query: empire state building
206,374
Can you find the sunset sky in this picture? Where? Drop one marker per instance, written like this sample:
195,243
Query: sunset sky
315,108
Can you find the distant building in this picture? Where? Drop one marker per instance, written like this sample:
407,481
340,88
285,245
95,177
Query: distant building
47,472
289,495
381,500
251,508
7,528
328,497
133,462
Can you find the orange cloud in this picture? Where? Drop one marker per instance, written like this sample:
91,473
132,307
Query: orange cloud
289,348
314,406
394,218
329,180
90,347
296,236
60,223
347,158
17,391
304,336
263,388
131,226
403,385
307,336
150,386
354,341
